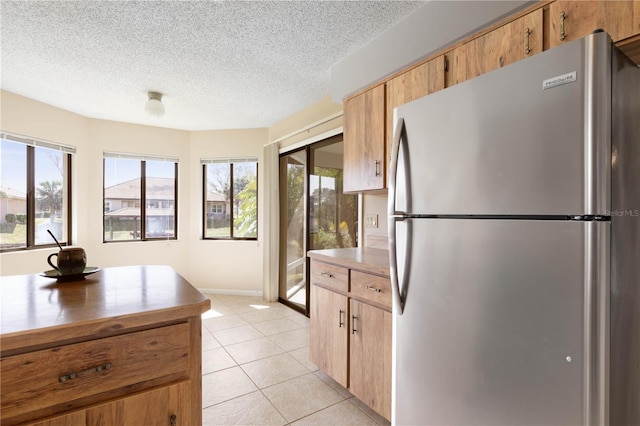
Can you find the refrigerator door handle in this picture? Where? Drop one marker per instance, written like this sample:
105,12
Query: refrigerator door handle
393,171
395,216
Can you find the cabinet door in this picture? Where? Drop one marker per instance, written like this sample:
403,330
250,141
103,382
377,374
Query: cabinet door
621,19
370,356
413,84
574,19
166,406
509,43
329,333
364,141
571,20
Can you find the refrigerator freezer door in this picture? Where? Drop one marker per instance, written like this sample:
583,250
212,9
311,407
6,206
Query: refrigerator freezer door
503,144
501,323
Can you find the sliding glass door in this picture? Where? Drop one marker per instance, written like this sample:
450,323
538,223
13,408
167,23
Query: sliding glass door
314,214
332,215
293,225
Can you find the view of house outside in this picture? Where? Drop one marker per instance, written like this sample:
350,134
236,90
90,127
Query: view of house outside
231,211
49,192
123,198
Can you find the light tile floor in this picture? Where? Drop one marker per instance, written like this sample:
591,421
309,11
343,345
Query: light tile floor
256,370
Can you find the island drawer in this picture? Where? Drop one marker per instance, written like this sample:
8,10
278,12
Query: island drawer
371,288
330,276
50,377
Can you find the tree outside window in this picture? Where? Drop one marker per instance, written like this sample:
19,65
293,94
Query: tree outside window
34,195
230,199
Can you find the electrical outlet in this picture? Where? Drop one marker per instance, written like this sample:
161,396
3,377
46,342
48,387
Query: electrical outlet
370,220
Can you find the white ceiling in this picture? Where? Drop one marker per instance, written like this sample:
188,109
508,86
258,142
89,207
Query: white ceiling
219,64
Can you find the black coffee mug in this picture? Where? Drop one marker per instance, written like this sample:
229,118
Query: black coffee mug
71,260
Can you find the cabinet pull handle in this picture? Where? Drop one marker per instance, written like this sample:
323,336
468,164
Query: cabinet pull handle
340,320
173,419
563,33
377,167
353,324
377,290
527,48
326,274
96,369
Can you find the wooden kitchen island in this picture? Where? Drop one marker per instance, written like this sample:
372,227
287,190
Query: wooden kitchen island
120,347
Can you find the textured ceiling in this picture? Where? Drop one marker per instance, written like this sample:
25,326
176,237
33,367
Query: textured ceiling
220,64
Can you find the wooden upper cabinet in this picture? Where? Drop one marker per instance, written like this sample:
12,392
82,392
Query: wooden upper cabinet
571,20
368,117
364,141
621,19
456,66
509,43
413,84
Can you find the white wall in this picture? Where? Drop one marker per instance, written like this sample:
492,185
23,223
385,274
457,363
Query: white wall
27,117
224,265
376,237
218,265
114,136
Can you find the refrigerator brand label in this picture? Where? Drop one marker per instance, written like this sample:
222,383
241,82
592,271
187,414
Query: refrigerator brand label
559,80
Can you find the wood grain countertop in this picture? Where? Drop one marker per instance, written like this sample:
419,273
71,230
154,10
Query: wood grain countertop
38,311
370,260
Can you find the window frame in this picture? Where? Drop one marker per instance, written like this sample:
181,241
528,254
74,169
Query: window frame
142,202
68,152
205,212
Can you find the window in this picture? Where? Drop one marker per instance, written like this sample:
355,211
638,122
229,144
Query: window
230,199
35,194
137,187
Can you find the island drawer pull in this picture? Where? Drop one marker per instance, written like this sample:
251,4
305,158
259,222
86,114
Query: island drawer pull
377,290
96,369
326,274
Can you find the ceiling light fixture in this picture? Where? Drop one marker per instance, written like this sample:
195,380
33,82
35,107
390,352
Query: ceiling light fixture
154,105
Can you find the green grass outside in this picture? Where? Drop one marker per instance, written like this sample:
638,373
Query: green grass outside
19,235
217,232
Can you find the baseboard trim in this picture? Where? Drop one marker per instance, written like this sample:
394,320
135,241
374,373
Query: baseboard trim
257,293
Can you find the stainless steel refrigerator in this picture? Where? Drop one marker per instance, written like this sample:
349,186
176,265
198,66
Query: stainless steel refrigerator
514,231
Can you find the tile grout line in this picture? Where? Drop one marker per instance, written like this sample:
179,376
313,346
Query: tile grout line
281,315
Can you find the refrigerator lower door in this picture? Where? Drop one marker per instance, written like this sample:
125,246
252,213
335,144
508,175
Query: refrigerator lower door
505,323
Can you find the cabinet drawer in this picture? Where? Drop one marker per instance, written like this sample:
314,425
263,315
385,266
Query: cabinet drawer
371,288
330,276
49,377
